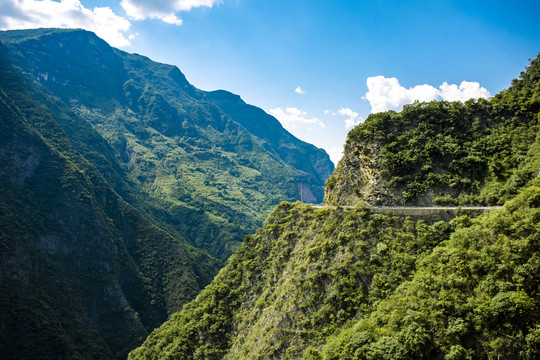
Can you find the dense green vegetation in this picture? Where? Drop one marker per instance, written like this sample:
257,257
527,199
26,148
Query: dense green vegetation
441,152
97,146
295,282
475,296
206,167
338,284
349,283
83,275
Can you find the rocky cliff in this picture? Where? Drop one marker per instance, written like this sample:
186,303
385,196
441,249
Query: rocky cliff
477,152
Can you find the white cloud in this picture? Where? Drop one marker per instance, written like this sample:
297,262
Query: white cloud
387,94
28,14
347,112
299,90
466,90
164,10
291,117
352,116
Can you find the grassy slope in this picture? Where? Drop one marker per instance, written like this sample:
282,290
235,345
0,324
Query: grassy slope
82,273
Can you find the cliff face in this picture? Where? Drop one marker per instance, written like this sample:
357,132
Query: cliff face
358,178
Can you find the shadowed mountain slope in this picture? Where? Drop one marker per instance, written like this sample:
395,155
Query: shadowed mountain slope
83,275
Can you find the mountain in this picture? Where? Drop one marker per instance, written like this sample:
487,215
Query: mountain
204,166
83,275
443,152
284,145
358,282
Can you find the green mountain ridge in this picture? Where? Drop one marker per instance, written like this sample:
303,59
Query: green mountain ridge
82,273
204,168
348,283
118,178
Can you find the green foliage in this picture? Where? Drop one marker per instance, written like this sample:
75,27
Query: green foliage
349,283
291,285
473,296
90,276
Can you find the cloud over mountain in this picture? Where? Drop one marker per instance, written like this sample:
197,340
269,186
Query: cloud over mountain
290,117
113,28
28,14
387,93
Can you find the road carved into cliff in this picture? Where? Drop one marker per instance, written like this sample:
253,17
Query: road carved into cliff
413,208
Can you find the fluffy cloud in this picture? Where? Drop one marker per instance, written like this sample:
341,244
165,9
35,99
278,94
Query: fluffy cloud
352,117
164,10
299,90
291,117
387,94
466,90
28,14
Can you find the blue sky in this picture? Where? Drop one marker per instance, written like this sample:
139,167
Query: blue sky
318,66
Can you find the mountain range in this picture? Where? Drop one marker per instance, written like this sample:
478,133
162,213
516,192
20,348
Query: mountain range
123,190
205,166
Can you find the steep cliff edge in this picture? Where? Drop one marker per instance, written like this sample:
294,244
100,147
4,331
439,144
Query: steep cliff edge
477,152
357,177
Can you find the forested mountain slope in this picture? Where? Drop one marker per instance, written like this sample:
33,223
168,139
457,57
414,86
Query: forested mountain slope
347,283
83,275
205,168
